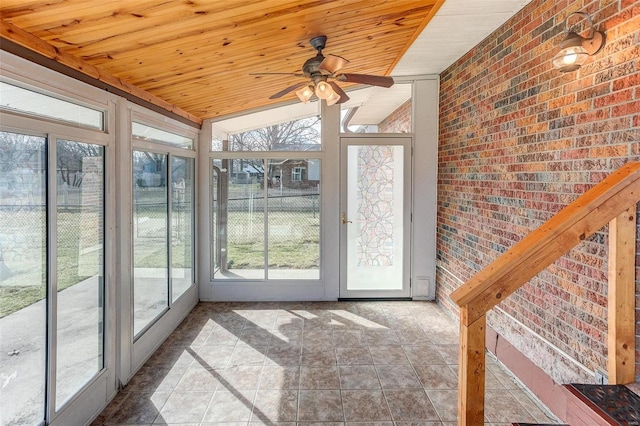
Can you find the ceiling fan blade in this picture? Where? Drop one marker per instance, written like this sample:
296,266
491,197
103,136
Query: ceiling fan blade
277,73
343,96
333,63
287,90
373,80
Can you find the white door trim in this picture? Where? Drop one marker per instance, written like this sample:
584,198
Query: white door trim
376,139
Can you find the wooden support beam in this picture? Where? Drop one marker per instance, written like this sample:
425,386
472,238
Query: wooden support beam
621,308
471,372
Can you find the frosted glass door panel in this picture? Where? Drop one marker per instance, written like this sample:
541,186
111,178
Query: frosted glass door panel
375,217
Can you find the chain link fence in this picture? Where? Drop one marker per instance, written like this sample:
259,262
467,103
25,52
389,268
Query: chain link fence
292,227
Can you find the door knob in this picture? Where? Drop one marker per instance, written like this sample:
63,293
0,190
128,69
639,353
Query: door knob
344,219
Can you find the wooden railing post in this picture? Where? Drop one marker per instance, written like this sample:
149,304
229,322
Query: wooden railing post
621,308
471,371
619,192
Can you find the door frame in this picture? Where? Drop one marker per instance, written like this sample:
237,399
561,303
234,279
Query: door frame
377,139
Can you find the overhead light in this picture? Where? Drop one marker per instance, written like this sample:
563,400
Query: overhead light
324,90
575,49
332,99
305,93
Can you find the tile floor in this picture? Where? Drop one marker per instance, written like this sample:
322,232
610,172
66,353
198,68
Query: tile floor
336,362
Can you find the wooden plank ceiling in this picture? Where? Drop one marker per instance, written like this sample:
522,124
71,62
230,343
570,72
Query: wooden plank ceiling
196,55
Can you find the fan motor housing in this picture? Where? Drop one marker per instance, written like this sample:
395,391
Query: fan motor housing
311,66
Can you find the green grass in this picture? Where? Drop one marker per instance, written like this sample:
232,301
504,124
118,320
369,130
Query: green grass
297,248
27,283
294,240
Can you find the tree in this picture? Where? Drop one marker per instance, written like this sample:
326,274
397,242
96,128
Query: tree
69,158
289,136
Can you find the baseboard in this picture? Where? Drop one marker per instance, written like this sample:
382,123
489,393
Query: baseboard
550,393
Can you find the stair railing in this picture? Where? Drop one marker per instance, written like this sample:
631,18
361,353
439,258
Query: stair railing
613,201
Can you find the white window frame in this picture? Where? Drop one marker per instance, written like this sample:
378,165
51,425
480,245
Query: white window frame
135,350
95,394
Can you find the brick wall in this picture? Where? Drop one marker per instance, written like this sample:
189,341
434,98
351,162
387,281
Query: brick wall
518,141
399,121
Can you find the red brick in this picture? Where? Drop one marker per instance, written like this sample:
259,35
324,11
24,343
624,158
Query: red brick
626,109
544,151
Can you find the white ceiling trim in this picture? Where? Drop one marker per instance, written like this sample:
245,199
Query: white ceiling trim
456,28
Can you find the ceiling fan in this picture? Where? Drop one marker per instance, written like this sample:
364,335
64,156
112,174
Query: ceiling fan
321,72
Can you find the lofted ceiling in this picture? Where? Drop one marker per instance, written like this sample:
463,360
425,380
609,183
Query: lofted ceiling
194,57
197,55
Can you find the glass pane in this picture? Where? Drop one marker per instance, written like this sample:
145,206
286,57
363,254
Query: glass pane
293,211
80,263
148,133
238,218
182,214
297,135
30,102
375,238
379,109
23,310
150,246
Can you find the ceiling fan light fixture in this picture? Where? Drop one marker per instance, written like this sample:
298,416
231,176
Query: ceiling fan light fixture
324,90
332,99
305,94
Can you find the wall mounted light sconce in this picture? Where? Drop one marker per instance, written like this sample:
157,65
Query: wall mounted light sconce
575,49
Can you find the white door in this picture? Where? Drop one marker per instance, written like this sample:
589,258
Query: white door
375,216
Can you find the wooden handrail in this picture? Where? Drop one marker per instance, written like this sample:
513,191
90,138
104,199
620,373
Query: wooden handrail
611,201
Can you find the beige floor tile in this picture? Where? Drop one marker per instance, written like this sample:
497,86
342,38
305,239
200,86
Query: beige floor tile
364,405
230,406
413,336
398,377
410,405
501,406
240,377
353,356
139,408
246,354
319,358
366,363
423,354
446,404
279,377
220,336
155,379
198,378
449,353
275,406
214,356
358,377
279,349
184,407
436,376
255,336
388,355
381,337
320,405
534,409
317,340
348,338
319,378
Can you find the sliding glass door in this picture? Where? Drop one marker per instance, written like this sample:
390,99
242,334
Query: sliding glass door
163,225
52,287
79,254
23,277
